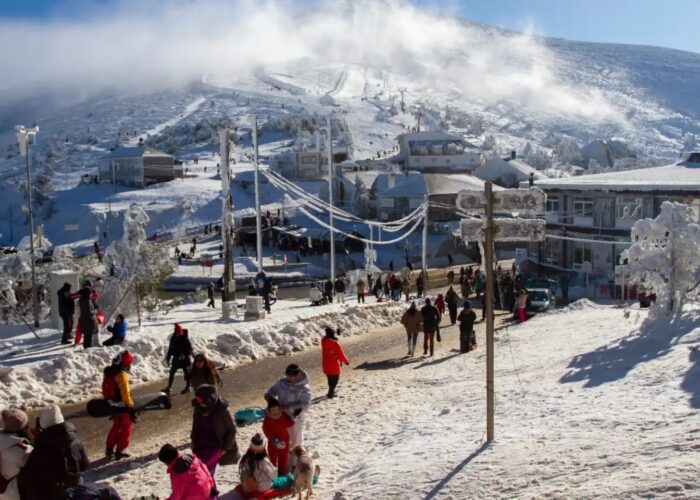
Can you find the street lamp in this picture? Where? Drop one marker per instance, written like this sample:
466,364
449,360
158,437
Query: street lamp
25,136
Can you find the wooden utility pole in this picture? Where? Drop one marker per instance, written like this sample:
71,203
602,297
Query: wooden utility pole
227,222
488,261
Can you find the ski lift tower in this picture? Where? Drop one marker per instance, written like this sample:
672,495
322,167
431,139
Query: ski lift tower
485,230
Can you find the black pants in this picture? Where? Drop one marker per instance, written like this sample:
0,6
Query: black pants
360,298
465,340
67,328
332,383
113,341
211,302
266,298
185,367
453,312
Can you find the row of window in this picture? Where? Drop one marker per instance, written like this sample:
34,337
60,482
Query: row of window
628,207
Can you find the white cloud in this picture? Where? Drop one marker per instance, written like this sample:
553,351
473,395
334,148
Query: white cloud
129,45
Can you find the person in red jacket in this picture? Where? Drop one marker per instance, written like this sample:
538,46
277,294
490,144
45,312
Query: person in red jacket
333,356
276,429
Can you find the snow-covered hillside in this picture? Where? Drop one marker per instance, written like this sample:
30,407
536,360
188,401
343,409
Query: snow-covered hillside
519,91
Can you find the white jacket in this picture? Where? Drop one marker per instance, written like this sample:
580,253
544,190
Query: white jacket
14,452
264,473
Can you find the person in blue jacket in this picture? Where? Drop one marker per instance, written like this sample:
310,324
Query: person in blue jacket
118,331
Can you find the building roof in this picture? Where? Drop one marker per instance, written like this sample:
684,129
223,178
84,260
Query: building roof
429,136
414,185
135,152
683,176
496,167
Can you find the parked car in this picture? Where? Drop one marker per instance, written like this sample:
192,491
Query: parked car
540,299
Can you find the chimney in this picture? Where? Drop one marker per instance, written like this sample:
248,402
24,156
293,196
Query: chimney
513,155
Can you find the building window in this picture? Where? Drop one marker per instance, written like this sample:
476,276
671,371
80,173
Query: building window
583,206
553,205
582,253
629,208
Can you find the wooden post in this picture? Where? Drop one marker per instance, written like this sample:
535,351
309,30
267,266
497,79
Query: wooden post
488,260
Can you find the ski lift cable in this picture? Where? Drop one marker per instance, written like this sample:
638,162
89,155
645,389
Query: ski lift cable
337,212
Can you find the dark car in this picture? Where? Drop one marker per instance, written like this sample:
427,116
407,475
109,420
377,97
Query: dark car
46,257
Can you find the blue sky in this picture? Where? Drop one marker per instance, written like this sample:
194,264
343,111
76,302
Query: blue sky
668,23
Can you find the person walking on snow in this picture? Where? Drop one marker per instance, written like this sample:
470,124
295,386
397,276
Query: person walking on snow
466,318
419,285
340,290
276,429
180,352
115,387
452,301
333,358
213,429
204,372
522,305
210,295
294,394
406,287
360,287
411,320
87,321
15,448
431,320
189,477
66,310
118,331
328,290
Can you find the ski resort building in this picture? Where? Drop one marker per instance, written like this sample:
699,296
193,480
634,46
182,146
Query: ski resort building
601,209
437,152
397,195
137,167
507,172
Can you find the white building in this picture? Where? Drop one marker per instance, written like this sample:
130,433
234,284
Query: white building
137,166
507,172
437,152
604,207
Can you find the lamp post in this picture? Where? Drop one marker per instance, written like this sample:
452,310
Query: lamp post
24,136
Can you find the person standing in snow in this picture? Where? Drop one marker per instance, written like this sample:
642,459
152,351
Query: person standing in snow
66,310
406,287
15,448
57,461
340,290
430,320
360,287
333,357
419,285
522,305
294,394
118,331
180,352
264,288
189,477
452,301
210,295
411,320
328,290
204,372
213,429
276,429
466,318
87,321
116,388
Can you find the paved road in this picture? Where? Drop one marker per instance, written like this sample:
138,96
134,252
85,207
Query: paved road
245,385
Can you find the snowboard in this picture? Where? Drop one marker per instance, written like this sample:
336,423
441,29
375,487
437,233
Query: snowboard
99,408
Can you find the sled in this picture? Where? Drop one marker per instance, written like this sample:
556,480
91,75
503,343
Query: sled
263,495
249,416
99,408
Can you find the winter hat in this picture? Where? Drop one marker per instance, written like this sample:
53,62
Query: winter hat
124,358
330,333
257,444
178,328
14,419
292,369
87,283
206,394
50,416
167,454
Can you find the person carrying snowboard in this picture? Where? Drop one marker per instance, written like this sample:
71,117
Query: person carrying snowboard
466,319
115,387
179,357
333,357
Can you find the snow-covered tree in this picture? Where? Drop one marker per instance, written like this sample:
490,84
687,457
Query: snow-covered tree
489,143
664,257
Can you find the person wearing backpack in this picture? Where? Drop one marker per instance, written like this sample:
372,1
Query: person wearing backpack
180,352
57,461
115,387
14,451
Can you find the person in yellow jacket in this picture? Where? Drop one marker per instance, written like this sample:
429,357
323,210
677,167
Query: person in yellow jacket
115,387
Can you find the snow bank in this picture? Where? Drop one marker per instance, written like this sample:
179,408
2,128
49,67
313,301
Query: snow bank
72,374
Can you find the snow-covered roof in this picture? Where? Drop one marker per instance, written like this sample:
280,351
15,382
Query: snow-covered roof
429,136
683,176
496,167
434,184
135,152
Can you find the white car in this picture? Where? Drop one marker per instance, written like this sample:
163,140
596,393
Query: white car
541,299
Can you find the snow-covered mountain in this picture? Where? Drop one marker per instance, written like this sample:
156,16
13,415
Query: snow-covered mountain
519,91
